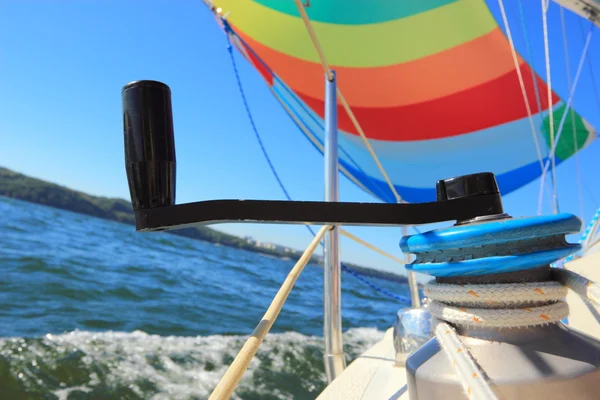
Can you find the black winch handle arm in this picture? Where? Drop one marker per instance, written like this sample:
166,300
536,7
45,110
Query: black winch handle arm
150,164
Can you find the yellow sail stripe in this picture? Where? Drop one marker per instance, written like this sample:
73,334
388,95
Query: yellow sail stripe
369,45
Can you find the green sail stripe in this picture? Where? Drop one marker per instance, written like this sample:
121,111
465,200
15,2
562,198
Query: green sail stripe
574,136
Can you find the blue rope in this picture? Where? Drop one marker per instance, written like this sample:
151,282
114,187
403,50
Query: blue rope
375,189
246,106
282,186
373,286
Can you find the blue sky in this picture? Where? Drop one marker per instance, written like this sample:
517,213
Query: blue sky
63,63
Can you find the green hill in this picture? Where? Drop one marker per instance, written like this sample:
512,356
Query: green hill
22,187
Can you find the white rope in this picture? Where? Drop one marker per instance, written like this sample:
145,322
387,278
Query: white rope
342,99
238,366
473,379
522,84
499,305
510,305
545,6
505,294
567,108
582,286
500,318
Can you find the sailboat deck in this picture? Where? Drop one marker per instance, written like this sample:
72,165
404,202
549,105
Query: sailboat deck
583,315
371,376
374,376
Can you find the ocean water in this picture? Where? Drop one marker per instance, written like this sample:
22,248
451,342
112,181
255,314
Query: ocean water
90,309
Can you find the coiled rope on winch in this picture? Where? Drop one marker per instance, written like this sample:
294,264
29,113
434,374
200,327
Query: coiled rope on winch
496,275
503,305
508,305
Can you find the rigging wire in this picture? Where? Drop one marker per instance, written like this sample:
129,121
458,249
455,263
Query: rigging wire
536,87
522,83
567,108
545,6
530,57
589,61
573,126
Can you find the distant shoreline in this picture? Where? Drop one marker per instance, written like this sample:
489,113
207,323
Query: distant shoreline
22,187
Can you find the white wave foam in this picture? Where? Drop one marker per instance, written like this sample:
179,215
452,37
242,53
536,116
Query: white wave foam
190,367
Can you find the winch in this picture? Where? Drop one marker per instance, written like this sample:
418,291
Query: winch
494,285
496,303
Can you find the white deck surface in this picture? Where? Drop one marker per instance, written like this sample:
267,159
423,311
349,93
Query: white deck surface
584,316
371,376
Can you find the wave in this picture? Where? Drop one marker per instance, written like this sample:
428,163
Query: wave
137,365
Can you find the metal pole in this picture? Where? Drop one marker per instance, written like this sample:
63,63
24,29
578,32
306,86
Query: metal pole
334,358
415,300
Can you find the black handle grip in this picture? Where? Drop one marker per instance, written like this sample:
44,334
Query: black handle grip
149,144
150,164
466,186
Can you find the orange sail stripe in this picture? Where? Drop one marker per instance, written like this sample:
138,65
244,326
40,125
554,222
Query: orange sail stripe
497,102
260,67
428,78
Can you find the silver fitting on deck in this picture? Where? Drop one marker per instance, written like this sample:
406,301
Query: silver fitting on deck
412,329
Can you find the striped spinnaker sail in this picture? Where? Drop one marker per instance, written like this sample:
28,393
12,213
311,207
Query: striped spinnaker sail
432,83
